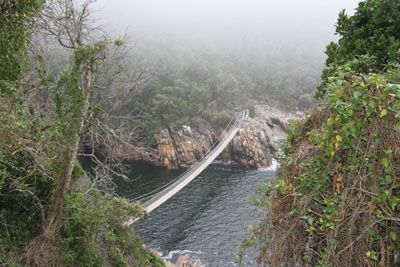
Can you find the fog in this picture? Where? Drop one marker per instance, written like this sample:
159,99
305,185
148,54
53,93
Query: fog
228,24
245,49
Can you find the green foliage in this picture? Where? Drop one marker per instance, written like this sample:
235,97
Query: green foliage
198,86
20,214
119,41
16,22
25,189
94,229
338,189
36,154
369,39
179,103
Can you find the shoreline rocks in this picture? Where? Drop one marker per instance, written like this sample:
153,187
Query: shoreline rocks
183,260
183,148
253,147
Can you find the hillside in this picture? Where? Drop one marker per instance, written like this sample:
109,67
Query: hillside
335,200
338,188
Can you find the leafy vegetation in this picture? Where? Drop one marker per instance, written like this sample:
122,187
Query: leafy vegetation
335,200
211,88
338,188
16,21
51,212
369,39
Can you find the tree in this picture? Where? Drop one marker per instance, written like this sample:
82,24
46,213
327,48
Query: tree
93,56
334,201
370,39
43,120
18,171
69,26
16,20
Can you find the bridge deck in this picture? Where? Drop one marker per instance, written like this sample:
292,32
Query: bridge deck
175,187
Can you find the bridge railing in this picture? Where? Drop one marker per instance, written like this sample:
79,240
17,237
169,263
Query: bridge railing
235,122
177,185
162,194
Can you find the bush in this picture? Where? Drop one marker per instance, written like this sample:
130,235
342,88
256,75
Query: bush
336,199
94,233
370,38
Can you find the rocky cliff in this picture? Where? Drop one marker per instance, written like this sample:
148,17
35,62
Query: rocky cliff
184,147
253,147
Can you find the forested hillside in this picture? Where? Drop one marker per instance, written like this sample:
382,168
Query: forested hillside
335,200
206,75
192,86
181,83
198,81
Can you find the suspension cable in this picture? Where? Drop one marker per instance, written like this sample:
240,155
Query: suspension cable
157,190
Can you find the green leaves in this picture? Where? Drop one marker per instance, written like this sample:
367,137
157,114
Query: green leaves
385,162
369,40
16,25
393,236
352,140
96,217
357,94
371,255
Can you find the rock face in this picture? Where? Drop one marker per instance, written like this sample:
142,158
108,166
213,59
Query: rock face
184,147
253,146
273,116
186,261
182,261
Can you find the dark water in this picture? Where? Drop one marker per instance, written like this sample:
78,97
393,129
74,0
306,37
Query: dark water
207,219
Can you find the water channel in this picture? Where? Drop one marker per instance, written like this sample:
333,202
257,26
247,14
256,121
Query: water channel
207,219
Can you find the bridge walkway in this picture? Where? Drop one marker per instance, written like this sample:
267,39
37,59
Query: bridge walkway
162,196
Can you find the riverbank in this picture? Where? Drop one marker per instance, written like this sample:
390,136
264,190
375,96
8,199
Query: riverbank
183,260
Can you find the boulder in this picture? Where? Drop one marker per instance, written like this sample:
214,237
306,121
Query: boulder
186,261
253,146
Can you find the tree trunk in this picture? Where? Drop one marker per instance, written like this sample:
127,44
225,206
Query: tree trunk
67,166
69,158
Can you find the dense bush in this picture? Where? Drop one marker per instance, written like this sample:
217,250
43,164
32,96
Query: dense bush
93,233
369,39
335,201
44,220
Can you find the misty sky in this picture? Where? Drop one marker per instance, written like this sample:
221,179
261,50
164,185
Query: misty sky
236,23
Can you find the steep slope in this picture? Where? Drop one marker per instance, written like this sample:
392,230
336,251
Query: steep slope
336,198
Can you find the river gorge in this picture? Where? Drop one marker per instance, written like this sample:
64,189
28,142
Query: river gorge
207,219
210,216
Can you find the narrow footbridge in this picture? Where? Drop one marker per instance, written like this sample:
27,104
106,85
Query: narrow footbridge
157,197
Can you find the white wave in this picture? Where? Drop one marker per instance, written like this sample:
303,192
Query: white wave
223,162
279,138
180,252
274,166
218,161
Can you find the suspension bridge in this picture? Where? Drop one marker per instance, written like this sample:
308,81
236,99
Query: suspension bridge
157,197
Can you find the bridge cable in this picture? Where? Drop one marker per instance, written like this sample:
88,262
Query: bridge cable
150,194
157,190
